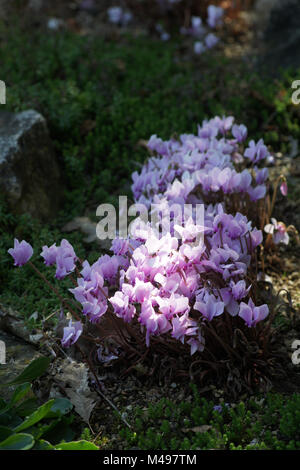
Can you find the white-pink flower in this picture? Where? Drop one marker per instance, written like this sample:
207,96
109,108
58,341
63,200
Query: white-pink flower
279,232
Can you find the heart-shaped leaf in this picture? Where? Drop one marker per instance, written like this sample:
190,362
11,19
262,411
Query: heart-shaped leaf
3,404
60,407
35,417
34,370
17,442
10,419
27,407
5,433
43,445
20,392
76,445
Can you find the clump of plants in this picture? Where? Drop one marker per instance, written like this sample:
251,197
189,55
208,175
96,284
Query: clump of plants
169,16
178,13
188,280
261,423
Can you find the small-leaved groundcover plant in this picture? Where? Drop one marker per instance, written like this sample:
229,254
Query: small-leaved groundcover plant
269,422
166,290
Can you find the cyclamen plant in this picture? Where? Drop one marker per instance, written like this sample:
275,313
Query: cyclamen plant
170,289
197,28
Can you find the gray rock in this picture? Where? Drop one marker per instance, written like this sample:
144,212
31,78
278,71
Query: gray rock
12,322
282,36
29,173
18,355
263,10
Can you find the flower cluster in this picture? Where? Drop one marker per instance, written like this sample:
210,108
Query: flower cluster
206,160
63,256
168,279
206,40
174,284
117,15
199,29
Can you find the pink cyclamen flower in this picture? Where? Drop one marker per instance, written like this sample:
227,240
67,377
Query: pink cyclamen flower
196,22
183,326
21,252
65,259
257,193
120,246
211,40
239,289
115,14
165,36
256,151
71,334
215,15
261,175
197,28
210,308
49,254
284,188
256,238
239,132
64,265
279,232
199,47
251,314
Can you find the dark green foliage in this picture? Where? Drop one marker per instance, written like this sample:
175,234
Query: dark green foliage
269,423
100,97
25,425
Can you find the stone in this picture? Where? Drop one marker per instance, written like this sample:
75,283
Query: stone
282,37
29,172
12,322
263,9
19,354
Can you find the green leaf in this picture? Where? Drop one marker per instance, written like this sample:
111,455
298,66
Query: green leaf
20,392
60,407
76,445
3,411
27,407
38,430
3,404
17,442
35,417
59,432
43,445
10,419
35,369
5,432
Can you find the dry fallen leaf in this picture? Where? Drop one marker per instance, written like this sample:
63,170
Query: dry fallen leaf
82,404
74,378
